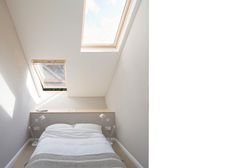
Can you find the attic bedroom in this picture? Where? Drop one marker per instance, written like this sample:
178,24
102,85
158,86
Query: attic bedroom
73,74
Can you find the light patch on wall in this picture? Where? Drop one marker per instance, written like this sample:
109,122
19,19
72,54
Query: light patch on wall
31,88
44,97
7,98
50,98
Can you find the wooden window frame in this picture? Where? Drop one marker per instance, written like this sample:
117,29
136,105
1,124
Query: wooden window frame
118,33
51,88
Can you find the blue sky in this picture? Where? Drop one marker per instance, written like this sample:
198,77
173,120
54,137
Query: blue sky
101,20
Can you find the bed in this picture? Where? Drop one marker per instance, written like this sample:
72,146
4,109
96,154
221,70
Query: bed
74,146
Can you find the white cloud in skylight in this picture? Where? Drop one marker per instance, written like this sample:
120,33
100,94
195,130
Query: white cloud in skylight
112,2
92,6
102,19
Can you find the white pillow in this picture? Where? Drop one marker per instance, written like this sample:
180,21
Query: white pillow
59,126
88,126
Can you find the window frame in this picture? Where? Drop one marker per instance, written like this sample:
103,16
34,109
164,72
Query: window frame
118,33
43,86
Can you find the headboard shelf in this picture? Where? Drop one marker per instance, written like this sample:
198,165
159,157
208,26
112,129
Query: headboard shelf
71,111
71,117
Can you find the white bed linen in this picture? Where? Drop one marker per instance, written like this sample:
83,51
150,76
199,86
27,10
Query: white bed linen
72,142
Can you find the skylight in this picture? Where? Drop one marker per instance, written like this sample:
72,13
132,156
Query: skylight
103,22
51,74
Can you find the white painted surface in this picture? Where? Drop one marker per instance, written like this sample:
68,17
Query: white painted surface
61,101
52,30
13,72
128,94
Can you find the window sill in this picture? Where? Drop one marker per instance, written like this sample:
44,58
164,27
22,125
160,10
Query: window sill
99,50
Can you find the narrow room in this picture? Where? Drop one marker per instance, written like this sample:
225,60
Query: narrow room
74,83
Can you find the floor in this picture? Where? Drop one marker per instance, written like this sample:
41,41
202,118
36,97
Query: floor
26,153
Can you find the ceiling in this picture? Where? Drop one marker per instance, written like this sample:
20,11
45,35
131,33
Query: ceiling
51,29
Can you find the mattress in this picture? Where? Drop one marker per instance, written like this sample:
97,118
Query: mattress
74,148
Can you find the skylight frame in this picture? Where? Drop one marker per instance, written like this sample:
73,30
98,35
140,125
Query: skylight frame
44,86
118,33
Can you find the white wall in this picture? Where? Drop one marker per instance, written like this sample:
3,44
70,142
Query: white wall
15,99
128,93
52,30
60,100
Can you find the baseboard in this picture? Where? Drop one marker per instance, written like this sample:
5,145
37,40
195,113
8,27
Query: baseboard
131,157
12,161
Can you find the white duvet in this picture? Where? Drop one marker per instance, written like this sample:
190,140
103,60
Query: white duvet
72,142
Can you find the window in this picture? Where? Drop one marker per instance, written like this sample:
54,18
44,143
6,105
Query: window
103,22
51,74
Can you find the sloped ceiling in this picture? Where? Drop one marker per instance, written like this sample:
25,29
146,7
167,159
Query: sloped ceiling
51,29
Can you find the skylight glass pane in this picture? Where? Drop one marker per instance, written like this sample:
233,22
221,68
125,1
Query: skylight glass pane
102,19
51,75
